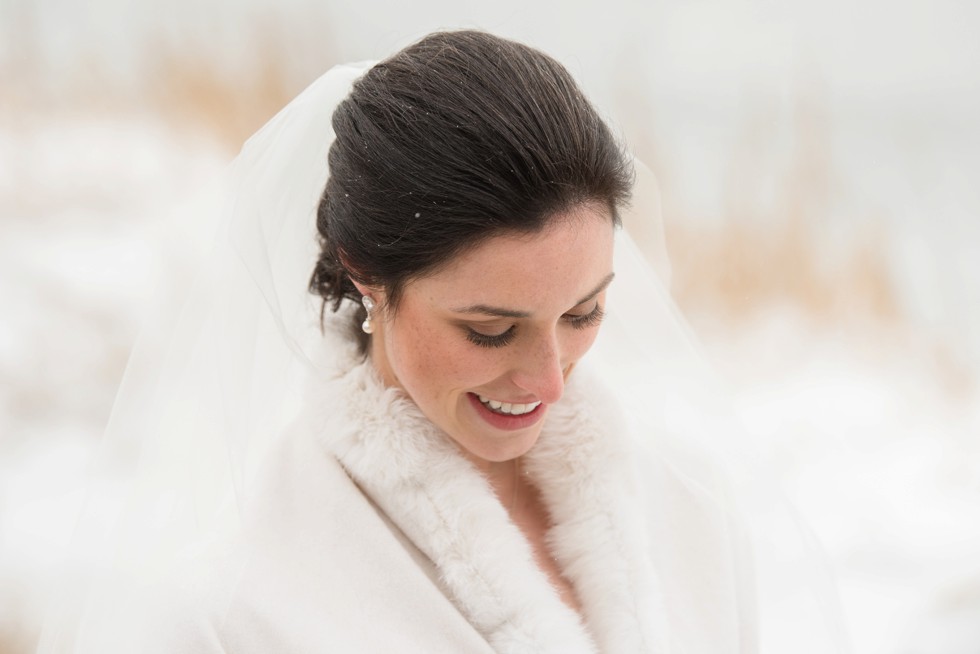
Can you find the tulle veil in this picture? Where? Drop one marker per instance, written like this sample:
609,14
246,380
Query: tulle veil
218,374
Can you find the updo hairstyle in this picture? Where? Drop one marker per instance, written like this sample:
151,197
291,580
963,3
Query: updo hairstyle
451,141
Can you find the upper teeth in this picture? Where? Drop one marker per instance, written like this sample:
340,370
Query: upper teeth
507,407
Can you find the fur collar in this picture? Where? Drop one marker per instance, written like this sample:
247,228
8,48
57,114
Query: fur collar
582,466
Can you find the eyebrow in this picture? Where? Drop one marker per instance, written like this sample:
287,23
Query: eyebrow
513,313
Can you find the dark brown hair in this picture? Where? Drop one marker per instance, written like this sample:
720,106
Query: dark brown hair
455,139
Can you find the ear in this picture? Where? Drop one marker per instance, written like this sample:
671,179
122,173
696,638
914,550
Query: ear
361,288
375,293
372,292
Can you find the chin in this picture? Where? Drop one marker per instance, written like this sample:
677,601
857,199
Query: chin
500,448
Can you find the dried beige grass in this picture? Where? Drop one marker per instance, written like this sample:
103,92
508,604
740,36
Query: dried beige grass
774,250
740,269
190,91
184,81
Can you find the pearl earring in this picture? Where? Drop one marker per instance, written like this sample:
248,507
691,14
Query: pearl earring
369,307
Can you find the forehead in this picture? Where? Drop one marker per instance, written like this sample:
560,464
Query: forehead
558,264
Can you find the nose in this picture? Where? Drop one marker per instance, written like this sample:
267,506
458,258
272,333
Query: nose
539,369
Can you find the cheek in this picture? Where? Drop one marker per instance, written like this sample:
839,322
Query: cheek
429,359
580,342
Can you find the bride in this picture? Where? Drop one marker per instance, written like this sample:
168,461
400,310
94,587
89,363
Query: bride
453,473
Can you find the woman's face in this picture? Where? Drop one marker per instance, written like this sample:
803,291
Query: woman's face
485,345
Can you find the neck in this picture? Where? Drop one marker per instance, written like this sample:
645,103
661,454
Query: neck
505,478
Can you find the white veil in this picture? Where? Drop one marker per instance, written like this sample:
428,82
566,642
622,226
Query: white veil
217,376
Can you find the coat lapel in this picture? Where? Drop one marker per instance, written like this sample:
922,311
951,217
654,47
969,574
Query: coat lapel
584,465
414,473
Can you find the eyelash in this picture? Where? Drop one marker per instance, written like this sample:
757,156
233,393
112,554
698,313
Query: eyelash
486,340
591,319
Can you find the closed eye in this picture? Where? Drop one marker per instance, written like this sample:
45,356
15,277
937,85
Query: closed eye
584,321
490,340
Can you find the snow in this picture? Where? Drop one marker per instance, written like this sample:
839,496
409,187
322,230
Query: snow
883,463
78,259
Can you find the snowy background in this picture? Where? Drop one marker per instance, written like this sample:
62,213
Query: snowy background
819,165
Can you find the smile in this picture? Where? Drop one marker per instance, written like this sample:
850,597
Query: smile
508,408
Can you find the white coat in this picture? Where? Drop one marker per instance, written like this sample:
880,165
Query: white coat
371,533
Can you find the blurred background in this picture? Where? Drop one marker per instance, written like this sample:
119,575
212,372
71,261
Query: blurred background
818,164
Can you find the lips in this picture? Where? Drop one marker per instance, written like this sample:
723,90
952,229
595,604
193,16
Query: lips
508,408
529,414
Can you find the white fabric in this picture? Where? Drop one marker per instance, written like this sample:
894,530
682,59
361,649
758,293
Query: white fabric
371,533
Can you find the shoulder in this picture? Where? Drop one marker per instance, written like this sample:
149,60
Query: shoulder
315,566
276,580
